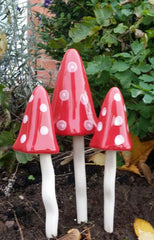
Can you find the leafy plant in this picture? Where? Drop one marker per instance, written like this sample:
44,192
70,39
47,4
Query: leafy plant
18,56
18,59
114,39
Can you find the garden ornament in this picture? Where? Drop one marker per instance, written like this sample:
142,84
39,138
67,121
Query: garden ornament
74,115
37,136
112,134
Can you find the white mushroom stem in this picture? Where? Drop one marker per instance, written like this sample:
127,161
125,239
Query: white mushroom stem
109,190
80,178
49,195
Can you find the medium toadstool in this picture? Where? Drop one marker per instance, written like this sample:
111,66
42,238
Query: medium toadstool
112,134
74,115
37,136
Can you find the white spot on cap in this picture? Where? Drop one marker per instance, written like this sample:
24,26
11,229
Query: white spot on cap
31,98
104,111
44,130
72,67
127,128
88,125
43,107
25,119
124,107
84,98
119,139
118,121
23,138
99,126
61,125
117,97
64,95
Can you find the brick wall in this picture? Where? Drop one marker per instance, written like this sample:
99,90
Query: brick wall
49,74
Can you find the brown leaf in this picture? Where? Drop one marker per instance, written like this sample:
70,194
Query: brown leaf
73,234
140,150
97,159
136,158
131,168
146,172
86,234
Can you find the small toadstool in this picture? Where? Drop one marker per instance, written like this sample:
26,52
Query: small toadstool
112,134
37,136
74,115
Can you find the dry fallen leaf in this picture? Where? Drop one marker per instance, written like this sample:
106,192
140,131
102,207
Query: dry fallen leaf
136,158
131,168
86,234
72,234
97,159
143,229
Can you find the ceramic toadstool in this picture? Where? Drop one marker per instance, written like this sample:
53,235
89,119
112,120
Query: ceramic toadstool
37,136
74,115
112,134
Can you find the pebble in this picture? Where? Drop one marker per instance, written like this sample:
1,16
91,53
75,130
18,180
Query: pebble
9,224
21,197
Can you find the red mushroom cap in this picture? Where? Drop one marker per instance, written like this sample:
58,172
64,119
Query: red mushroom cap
73,110
112,131
37,130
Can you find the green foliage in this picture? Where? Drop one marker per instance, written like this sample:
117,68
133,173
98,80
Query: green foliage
115,41
17,76
15,71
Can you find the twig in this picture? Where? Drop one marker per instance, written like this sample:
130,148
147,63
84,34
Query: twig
17,222
30,205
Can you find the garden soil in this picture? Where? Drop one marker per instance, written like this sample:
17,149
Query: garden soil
22,214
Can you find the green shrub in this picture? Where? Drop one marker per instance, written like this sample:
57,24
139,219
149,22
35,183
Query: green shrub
115,41
18,56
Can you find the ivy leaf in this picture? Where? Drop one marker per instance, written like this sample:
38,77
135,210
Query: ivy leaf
136,92
83,29
119,66
93,68
109,39
6,139
125,78
146,86
146,78
136,70
148,98
150,33
23,157
144,67
123,54
151,60
121,28
126,12
99,64
137,47
57,43
103,14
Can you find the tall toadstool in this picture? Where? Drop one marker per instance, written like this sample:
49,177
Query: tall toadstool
74,115
37,136
112,134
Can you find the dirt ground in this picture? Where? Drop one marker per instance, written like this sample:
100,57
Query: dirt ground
22,214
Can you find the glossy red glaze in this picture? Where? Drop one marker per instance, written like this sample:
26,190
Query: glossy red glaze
37,131
72,104
112,131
